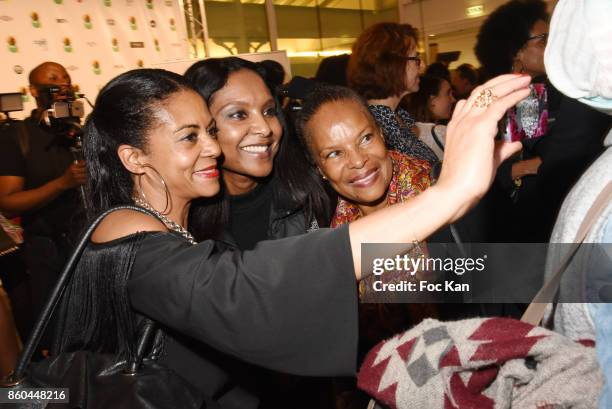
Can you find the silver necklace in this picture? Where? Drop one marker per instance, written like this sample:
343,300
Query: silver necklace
169,223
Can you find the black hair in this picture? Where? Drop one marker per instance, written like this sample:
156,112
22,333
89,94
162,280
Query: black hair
417,103
321,95
295,174
505,32
468,72
274,73
124,112
95,312
437,69
332,70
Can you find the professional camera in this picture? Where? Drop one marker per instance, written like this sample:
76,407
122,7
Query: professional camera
10,102
64,109
64,119
63,103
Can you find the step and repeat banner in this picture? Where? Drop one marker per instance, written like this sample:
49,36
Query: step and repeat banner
94,39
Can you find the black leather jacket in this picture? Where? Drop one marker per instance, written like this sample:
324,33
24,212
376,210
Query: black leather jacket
287,217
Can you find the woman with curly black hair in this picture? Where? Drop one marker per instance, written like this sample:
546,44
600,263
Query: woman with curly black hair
513,38
560,137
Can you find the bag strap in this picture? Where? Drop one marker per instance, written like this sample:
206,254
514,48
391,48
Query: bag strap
56,295
535,311
436,138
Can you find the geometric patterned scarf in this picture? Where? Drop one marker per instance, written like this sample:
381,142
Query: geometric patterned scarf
484,363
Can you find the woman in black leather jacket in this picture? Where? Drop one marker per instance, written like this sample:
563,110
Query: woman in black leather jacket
269,189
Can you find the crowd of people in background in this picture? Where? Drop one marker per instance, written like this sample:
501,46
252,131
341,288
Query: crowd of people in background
280,182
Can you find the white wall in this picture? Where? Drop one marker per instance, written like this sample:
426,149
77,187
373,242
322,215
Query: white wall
463,40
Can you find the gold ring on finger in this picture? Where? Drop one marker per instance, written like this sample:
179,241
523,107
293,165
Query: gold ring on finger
485,98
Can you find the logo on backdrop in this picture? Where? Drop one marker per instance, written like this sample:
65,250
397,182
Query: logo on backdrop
168,3
87,22
96,68
35,20
24,95
150,4
58,1
67,45
92,44
6,18
61,20
140,64
108,3
18,69
115,45
12,44
110,21
133,25
136,44
152,23
119,66
42,44
73,68
172,25
156,43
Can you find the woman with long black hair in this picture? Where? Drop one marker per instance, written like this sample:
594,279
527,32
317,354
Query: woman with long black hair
270,190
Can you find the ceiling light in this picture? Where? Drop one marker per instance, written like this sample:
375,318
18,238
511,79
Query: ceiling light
475,11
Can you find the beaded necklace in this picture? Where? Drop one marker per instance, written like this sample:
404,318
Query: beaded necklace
169,223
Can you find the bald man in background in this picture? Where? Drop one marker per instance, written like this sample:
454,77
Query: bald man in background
38,181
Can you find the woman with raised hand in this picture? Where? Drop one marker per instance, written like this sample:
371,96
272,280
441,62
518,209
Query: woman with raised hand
288,305
270,191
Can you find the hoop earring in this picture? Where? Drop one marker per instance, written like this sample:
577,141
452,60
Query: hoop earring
168,205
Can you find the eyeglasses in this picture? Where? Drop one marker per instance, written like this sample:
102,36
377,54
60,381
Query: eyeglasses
416,59
543,38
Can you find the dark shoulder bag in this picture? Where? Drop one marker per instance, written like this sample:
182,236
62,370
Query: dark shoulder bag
96,380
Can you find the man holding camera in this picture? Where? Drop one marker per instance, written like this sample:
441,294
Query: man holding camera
39,177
